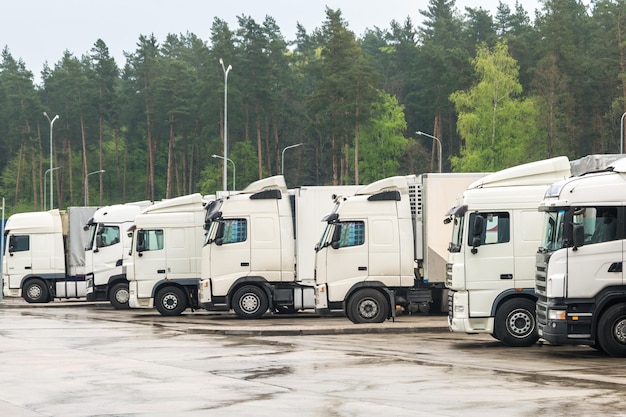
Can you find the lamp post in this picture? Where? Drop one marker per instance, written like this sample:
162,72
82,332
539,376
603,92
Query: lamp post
226,71
87,182
419,132
621,134
44,184
51,177
231,161
282,157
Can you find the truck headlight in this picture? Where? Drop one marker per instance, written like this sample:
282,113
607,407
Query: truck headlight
556,315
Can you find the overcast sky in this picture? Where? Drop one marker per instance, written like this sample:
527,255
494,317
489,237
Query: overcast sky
37,31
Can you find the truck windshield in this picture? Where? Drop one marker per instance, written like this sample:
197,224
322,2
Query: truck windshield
93,228
327,232
553,226
457,234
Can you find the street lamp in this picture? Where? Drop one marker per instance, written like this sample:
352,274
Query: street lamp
231,161
226,71
87,182
282,158
419,132
44,184
621,134
51,177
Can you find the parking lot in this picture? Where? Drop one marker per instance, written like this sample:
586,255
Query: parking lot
82,359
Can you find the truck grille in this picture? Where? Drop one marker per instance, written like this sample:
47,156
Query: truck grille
450,304
540,288
448,275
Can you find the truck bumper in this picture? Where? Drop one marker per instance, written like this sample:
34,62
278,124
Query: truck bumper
136,302
473,325
555,333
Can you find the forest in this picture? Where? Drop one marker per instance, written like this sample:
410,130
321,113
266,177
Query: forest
328,107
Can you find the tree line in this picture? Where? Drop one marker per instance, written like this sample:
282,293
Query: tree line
496,91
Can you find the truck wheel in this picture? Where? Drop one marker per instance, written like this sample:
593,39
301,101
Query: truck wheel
515,323
612,331
367,306
250,302
119,295
170,301
36,291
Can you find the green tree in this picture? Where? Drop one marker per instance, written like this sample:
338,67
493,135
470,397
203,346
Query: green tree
105,73
382,141
443,67
20,146
497,128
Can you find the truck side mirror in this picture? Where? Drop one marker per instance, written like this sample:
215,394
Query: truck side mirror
334,242
578,232
141,243
12,244
477,232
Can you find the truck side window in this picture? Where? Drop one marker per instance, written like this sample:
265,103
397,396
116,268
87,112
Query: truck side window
19,243
110,235
151,239
496,228
235,231
603,221
352,234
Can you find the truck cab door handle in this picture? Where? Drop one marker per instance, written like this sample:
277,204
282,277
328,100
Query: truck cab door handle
506,276
245,264
28,267
362,268
160,271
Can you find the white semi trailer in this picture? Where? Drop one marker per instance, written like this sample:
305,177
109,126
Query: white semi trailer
495,235
164,267
259,248
45,254
107,250
385,247
579,266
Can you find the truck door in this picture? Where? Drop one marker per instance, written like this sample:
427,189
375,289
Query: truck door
489,258
106,255
150,261
230,253
600,259
18,259
346,259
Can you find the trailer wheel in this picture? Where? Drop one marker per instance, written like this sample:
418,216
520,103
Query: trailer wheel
170,301
36,291
119,295
612,331
250,302
515,323
367,306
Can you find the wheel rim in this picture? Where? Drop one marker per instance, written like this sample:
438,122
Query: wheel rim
520,323
619,330
170,301
368,308
34,292
122,296
249,303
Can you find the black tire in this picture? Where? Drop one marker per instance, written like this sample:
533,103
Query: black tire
170,301
36,291
612,331
119,295
516,324
250,302
367,306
